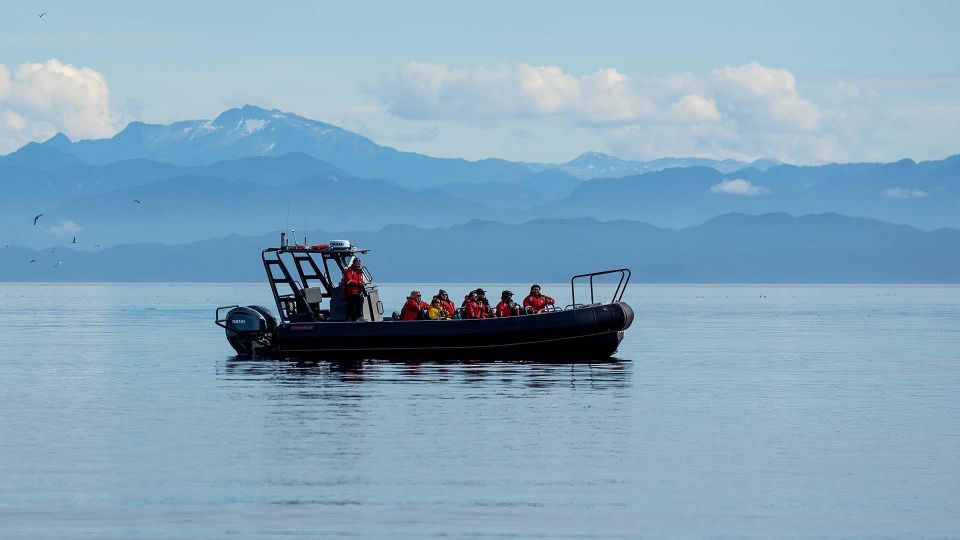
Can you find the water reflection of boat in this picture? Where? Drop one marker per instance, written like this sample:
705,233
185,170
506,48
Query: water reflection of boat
309,375
313,320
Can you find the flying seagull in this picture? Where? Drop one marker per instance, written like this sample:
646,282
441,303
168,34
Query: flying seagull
58,263
99,244
32,261
74,240
137,201
42,14
35,218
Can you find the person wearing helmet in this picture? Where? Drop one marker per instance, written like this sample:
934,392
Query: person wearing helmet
507,307
413,308
352,284
536,302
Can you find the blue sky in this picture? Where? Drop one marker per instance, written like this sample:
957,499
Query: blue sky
806,82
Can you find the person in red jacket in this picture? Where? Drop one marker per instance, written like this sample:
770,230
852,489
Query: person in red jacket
352,284
446,302
507,307
485,310
412,308
535,301
471,307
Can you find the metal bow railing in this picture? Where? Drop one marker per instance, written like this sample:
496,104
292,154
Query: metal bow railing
617,293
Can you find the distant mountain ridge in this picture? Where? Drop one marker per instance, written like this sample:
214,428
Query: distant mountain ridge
925,194
248,195
251,131
733,248
591,165
255,132
247,169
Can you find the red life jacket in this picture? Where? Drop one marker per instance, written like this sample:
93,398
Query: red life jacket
411,309
537,302
448,305
472,309
352,281
504,309
484,310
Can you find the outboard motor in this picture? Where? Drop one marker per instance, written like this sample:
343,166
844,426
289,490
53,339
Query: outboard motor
249,329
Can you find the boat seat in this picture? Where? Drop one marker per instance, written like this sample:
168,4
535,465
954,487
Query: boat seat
313,295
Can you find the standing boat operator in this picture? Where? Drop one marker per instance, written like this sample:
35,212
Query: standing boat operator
352,283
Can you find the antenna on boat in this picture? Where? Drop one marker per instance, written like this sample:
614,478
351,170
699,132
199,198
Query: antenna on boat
293,232
304,222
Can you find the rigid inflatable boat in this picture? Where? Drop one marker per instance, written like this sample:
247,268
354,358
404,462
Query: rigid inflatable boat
313,319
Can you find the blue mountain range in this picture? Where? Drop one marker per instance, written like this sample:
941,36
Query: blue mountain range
252,170
734,248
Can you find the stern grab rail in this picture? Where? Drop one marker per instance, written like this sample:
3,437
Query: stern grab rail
617,294
222,321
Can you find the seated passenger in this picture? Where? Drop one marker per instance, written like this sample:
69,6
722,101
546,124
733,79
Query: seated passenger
471,307
507,307
413,308
446,302
437,312
485,308
535,301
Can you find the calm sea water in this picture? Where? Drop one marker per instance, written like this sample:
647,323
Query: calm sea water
733,411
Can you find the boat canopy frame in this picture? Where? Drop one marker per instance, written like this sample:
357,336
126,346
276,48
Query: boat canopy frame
300,305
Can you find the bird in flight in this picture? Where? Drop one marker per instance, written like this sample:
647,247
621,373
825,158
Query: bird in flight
74,240
137,201
41,15
35,218
32,261
58,263
99,244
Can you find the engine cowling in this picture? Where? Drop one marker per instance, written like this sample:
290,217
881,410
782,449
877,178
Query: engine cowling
249,328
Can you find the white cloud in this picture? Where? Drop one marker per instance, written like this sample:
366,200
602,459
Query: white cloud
750,96
694,109
608,97
424,91
758,81
65,228
904,193
744,112
38,99
770,95
739,186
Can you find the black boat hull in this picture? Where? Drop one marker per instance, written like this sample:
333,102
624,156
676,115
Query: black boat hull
572,335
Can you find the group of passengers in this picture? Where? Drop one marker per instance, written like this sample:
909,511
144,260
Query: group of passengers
475,306
475,303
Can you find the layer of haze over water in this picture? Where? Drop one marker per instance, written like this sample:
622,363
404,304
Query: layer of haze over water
748,411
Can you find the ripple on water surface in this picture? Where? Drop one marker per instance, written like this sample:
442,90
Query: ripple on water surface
732,410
